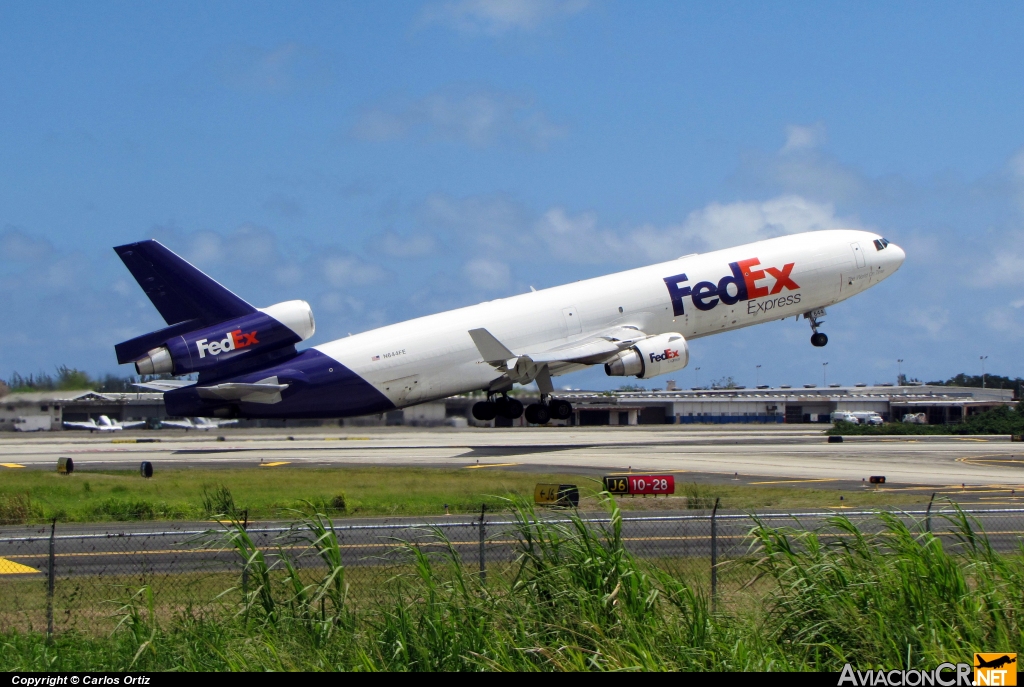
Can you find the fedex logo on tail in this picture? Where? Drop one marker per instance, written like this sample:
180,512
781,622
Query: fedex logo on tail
233,341
744,283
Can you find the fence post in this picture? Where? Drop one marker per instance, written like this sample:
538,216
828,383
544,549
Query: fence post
51,575
928,515
714,557
483,550
245,567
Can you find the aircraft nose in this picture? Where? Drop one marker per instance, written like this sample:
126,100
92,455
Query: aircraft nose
896,255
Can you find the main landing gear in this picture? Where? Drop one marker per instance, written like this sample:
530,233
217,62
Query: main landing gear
818,339
504,406
536,413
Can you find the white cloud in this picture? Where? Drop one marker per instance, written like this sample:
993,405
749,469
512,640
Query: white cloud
395,246
495,224
479,119
342,270
1003,268
285,67
489,275
803,137
933,319
247,246
495,17
17,246
716,226
1006,322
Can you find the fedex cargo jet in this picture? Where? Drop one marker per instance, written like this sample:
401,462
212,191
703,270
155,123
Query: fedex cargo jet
635,324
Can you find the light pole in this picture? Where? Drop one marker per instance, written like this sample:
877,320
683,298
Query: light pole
824,375
899,371
983,359
696,377
758,381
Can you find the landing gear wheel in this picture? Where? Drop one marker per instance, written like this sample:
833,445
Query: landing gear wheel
508,407
818,339
560,410
537,414
485,411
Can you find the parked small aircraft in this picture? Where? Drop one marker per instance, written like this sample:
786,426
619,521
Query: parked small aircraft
203,423
105,424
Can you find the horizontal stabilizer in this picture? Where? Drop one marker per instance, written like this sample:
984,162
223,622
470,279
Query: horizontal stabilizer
163,384
264,391
133,349
179,291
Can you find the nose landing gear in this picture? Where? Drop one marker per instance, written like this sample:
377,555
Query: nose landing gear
818,339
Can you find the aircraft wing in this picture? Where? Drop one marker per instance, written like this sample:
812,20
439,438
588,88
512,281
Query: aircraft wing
221,423
81,425
132,425
593,350
163,384
540,365
177,424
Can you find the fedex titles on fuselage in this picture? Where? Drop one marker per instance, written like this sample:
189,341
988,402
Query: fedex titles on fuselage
233,341
748,283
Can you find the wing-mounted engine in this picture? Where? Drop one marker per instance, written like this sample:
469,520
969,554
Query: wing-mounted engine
205,348
651,357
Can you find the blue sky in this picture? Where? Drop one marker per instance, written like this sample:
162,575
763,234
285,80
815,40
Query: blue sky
390,160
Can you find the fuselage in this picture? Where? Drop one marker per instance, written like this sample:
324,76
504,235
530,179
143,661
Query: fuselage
696,295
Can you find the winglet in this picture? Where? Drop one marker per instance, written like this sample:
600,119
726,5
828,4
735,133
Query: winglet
492,350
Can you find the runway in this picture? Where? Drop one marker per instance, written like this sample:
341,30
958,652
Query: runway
757,454
142,549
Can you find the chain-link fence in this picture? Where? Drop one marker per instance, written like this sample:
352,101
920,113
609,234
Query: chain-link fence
61,577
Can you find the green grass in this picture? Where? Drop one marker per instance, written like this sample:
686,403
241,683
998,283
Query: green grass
575,599
183,494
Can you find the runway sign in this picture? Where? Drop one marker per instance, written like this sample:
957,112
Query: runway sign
640,484
565,495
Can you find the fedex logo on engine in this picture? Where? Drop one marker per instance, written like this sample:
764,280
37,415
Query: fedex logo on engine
741,285
233,341
667,355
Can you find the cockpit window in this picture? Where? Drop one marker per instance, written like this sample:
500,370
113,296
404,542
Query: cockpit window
880,244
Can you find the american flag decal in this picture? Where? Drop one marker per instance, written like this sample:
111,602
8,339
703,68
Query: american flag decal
376,357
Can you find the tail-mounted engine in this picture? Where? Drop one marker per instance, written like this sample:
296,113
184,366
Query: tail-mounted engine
651,357
200,350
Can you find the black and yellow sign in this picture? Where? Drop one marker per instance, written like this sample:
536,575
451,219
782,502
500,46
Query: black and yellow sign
616,485
565,495
995,669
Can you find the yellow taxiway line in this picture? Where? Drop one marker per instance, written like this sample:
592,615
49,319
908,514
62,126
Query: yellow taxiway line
11,465
11,568
490,465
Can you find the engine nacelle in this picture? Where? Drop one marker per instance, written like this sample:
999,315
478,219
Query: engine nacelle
651,357
267,329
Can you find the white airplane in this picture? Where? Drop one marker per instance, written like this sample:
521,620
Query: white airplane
203,423
105,424
633,323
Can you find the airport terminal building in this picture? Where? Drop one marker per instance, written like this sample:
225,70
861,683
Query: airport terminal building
940,404
47,410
